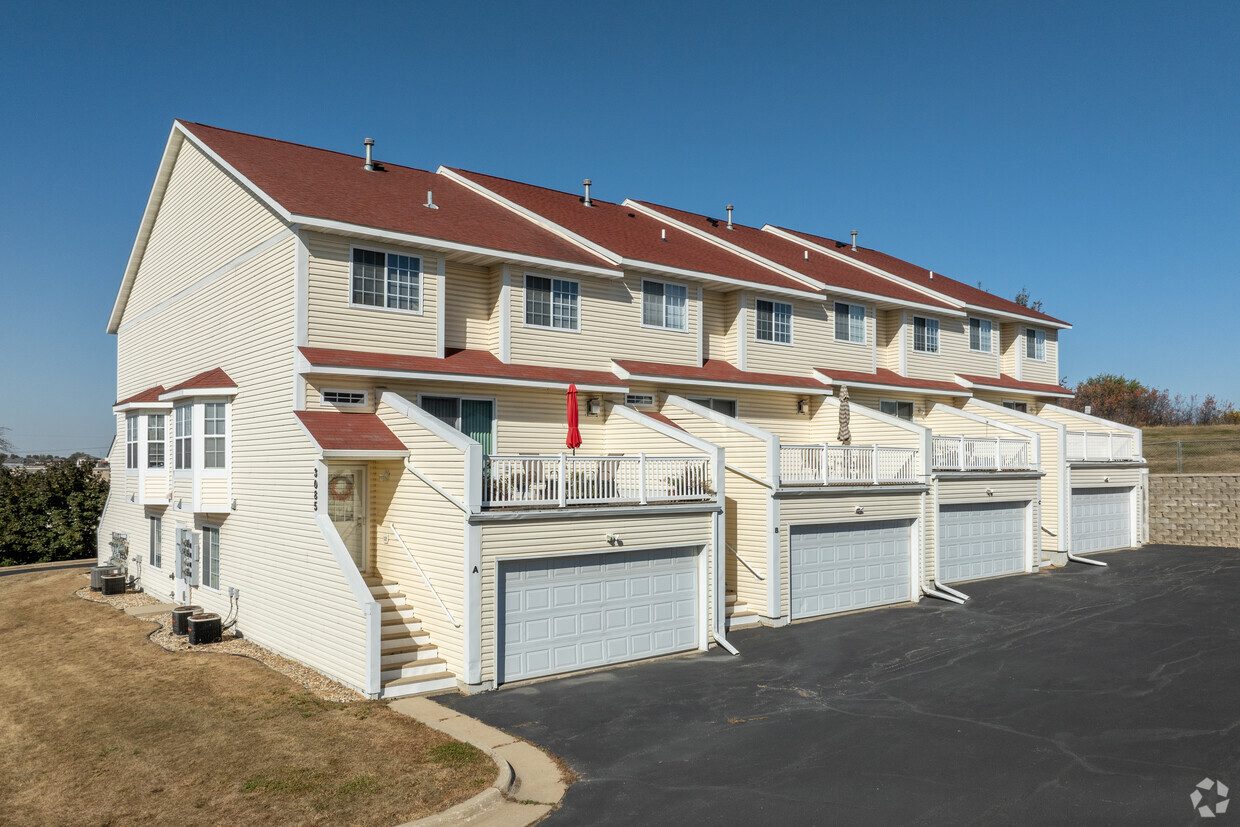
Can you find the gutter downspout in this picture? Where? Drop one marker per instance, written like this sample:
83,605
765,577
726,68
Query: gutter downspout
1087,561
933,587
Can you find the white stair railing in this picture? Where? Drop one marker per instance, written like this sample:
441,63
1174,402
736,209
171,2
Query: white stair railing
425,579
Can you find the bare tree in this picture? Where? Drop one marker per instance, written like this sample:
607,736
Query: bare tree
6,447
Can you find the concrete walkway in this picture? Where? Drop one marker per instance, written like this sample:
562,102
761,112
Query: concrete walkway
529,784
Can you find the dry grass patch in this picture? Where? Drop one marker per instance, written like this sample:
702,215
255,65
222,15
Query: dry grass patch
100,726
1206,449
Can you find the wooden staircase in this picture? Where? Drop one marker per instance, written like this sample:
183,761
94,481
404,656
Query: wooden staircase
737,614
410,663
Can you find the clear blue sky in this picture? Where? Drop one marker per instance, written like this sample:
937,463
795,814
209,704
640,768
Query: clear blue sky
1085,149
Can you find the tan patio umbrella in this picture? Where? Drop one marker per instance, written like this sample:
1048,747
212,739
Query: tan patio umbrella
845,436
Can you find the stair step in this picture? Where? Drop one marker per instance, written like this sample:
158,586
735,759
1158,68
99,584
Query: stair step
423,683
729,598
413,669
391,658
378,580
402,635
394,613
741,619
394,601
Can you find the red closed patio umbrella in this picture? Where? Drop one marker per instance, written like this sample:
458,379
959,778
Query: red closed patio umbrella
574,433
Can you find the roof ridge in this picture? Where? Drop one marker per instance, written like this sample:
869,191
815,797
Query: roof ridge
657,206
463,171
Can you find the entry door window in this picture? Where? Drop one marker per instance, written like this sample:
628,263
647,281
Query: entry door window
1023,407
723,406
473,417
892,407
346,506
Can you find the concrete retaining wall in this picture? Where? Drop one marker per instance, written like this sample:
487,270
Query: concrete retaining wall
1195,509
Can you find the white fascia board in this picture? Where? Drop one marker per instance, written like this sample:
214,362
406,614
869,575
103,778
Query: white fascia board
663,428
720,383
190,393
740,284
723,419
984,420
880,386
1097,420
431,423
142,406
977,309
886,419
546,223
427,376
982,386
1020,416
343,453
153,201
440,245
736,250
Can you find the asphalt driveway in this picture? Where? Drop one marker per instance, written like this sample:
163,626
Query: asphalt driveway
1083,695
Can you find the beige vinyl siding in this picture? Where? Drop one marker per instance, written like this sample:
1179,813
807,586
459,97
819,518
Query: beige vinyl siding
1046,372
436,458
580,534
865,428
741,450
469,316
954,355
242,321
719,316
869,398
1075,422
1109,477
332,323
813,340
1050,461
943,422
973,490
155,487
182,492
214,492
205,222
887,323
1009,342
317,384
610,319
840,509
773,411
627,437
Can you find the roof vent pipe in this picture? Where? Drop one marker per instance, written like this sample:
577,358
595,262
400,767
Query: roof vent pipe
369,166
587,182
931,275
729,208
430,201
854,235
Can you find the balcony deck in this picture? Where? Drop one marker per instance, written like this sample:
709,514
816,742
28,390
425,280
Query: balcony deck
563,480
1101,446
962,453
827,465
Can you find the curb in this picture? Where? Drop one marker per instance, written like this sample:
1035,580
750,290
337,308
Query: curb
527,787
55,564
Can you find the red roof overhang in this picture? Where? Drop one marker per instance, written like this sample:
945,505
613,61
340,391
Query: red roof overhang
1003,382
884,379
718,373
360,434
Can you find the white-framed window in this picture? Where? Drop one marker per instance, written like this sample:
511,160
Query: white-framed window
896,407
723,406
664,305
925,335
215,435
553,303
773,322
388,280
211,557
131,441
1023,407
639,400
346,399
154,440
157,530
1035,344
849,322
979,335
183,437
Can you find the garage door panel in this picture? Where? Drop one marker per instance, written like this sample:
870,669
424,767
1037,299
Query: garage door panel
982,540
843,567
1101,519
562,614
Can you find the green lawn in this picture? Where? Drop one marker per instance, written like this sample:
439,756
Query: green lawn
1206,449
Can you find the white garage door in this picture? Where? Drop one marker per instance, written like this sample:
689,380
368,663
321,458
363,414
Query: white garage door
981,540
840,567
566,613
1100,519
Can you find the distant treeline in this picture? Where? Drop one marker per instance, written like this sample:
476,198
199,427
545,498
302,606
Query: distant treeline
50,514
1131,403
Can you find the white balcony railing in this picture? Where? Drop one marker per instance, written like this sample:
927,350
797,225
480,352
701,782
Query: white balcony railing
559,480
846,464
1101,446
966,453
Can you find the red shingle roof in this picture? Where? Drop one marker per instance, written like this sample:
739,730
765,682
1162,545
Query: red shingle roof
148,395
823,268
631,233
360,432
332,185
1005,381
658,417
214,378
719,371
463,363
920,276
889,377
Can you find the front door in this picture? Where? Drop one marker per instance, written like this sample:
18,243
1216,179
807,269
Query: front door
477,422
346,505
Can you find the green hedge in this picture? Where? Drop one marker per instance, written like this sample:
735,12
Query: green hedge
50,514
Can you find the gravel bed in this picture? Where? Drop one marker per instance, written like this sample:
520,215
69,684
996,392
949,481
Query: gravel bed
230,644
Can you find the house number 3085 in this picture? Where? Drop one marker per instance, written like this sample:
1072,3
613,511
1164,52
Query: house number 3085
316,489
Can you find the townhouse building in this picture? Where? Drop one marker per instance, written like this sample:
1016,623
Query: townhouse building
421,430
